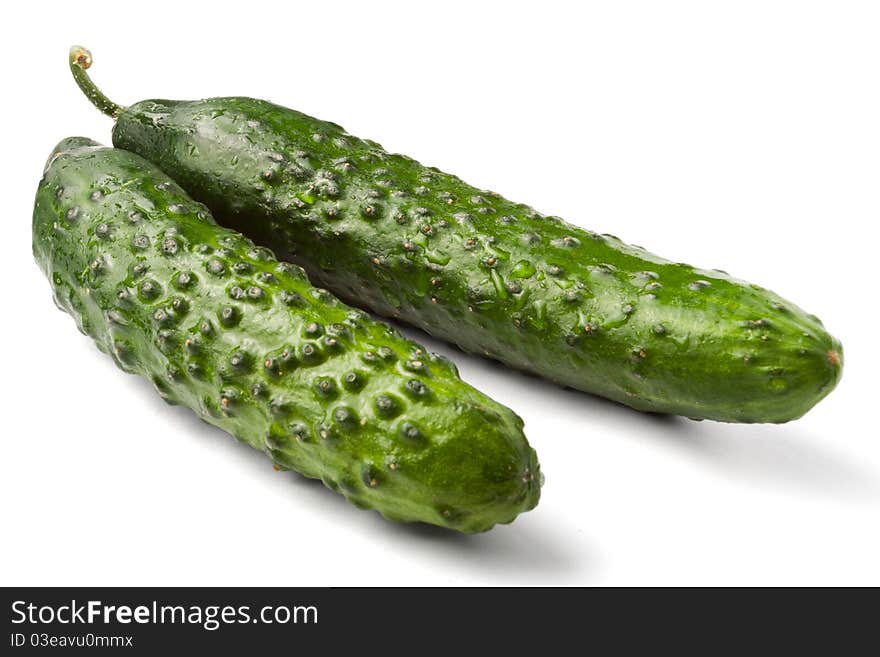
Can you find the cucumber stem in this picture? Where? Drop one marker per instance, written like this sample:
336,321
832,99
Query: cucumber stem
80,60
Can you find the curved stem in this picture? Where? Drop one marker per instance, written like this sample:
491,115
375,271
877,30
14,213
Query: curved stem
80,60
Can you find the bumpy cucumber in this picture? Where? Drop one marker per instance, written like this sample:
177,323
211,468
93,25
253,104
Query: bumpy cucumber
220,326
493,276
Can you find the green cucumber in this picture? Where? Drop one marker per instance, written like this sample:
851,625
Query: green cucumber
495,277
220,326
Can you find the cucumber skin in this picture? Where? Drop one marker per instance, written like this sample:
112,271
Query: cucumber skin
438,451
495,277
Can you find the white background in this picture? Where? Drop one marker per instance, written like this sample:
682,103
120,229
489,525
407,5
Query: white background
738,135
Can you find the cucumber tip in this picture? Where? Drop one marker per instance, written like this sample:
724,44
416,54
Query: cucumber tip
80,56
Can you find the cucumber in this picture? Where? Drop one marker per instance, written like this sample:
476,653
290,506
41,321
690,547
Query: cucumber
495,277
220,326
